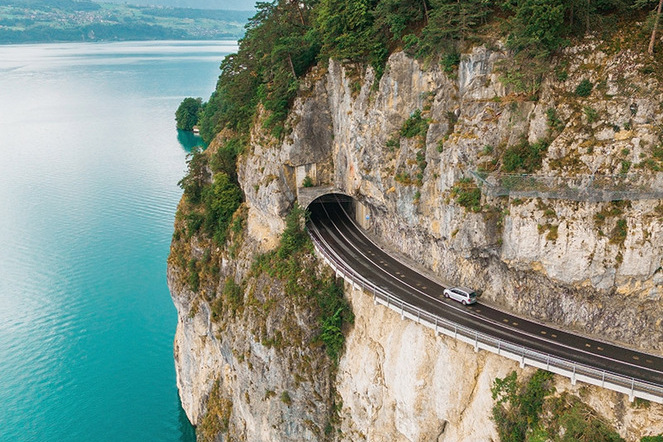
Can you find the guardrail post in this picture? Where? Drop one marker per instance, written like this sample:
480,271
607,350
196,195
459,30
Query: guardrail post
455,332
631,396
402,311
499,344
548,363
436,333
418,316
476,342
573,376
602,379
375,301
522,357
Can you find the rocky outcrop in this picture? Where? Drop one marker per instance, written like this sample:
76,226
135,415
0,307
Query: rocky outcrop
593,266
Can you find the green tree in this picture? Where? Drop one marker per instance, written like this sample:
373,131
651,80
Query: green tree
294,236
447,23
289,53
188,112
394,18
537,31
346,30
537,27
524,157
518,405
454,19
197,176
276,50
225,158
221,200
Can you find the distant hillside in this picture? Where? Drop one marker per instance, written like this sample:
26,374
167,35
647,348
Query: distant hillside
234,5
32,21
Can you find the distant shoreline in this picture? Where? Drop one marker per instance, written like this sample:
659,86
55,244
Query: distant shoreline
232,40
225,41
87,21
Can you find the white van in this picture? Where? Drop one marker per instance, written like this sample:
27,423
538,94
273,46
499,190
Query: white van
461,294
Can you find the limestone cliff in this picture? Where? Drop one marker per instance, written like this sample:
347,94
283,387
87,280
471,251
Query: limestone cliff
580,277
592,266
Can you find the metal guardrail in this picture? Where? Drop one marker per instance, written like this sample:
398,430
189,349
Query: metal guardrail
570,369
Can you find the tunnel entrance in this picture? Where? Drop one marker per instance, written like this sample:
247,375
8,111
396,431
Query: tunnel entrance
332,202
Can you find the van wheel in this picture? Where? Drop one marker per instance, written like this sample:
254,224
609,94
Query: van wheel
464,302
446,295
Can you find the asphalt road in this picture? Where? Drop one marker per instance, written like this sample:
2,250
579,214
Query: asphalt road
335,229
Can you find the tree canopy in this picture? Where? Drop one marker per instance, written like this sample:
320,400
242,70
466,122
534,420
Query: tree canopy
187,113
285,38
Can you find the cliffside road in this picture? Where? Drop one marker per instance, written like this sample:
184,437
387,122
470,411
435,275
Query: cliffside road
331,226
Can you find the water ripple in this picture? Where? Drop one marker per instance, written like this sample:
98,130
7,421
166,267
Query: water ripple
88,192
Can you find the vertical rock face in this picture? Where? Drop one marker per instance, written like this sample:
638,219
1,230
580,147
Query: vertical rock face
198,361
594,266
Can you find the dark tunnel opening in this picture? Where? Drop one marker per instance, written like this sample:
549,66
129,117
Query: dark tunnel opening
329,203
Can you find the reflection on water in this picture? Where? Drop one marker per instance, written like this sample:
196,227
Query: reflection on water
187,431
89,164
188,140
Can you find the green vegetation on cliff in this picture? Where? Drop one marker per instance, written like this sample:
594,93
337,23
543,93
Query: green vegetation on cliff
519,404
286,302
285,39
211,200
217,418
277,50
286,263
528,411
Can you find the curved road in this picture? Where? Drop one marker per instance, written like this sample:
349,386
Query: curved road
332,226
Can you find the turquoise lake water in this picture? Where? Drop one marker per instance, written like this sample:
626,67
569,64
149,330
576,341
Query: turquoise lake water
90,161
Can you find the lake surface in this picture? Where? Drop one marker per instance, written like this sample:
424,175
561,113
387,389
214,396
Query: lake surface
89,165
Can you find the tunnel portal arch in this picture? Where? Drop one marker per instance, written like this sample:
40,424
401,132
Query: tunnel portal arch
360,213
